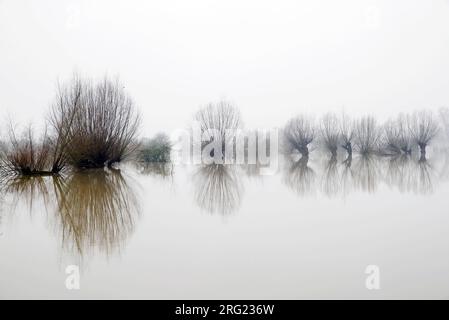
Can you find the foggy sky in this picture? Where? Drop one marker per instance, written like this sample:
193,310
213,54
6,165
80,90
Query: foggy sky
273,59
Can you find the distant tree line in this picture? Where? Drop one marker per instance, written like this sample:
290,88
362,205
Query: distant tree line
94,124
364,135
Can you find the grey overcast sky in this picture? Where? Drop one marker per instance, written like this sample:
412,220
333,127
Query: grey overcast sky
273,59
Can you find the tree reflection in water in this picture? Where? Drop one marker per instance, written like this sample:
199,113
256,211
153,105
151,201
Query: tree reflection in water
94,209
366,169
97,209
362,173
299,176
163,170
218,188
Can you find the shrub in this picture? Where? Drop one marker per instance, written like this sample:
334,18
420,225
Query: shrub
27,155
94,123
156,149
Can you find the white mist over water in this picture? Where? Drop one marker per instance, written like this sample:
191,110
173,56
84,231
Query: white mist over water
273,59
295,234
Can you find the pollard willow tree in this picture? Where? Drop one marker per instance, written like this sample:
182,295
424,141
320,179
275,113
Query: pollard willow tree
423,128
299,133
347,135
219,124
95,123
396,138
367,136
329,133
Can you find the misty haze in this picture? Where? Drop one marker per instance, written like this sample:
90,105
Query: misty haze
224,149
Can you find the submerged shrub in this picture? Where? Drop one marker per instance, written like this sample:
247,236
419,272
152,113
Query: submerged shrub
156,149
95,123
26,155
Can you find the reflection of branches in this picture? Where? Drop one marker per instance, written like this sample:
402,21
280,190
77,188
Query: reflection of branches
28,188
424,177
366,173
218,188
409,175
158,169
330,182
399,172
347,176
96,208
300,177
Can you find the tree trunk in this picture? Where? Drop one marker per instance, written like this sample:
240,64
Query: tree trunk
422,148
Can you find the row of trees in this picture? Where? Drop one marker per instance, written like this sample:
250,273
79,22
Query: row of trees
399,136
364,135
94,124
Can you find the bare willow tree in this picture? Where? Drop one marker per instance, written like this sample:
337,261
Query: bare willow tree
347,135
423,128
299,133
396,137
329,133
95,124
390,138
367,135
220,122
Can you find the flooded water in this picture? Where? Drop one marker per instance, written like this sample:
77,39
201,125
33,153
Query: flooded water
222,232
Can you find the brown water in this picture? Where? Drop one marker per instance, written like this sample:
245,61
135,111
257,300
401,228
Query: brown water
191,232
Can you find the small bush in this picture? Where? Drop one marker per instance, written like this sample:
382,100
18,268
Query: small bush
156,149
27,155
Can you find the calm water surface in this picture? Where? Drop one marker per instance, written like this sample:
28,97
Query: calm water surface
206,232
